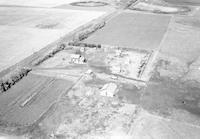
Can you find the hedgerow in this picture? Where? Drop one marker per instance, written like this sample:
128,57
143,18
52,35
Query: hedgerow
80,44
10,79
85,33
50,54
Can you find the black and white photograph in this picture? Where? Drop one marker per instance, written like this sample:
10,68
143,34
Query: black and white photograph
99,69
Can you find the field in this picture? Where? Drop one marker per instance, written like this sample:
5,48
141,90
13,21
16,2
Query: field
25,31
36,3
133,30
160,9
29,99
182,42
157,127
184,2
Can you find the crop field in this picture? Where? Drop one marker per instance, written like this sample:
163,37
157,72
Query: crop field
35,3
182,42
38,18
184,2
25,31
133,30
29,99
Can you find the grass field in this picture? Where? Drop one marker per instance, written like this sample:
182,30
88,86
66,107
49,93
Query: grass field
134,30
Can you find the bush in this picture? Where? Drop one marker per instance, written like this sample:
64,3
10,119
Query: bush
2,89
